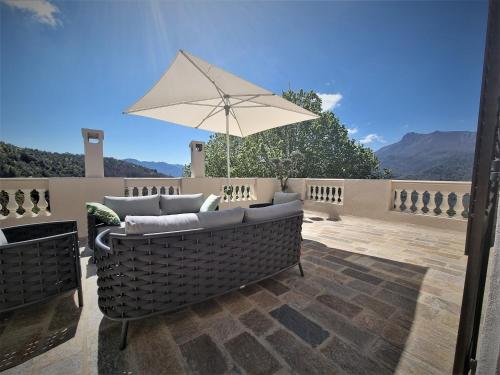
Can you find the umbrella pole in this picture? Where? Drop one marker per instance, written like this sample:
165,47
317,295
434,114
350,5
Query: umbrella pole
226,108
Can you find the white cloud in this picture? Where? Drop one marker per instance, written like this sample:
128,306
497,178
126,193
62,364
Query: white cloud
352,130
330,101
372,138
42,10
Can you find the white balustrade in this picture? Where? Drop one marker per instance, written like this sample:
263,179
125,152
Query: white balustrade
238,191
440,199
326,191
18,198
143,186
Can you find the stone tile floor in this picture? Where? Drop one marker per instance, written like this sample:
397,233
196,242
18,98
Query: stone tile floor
377,298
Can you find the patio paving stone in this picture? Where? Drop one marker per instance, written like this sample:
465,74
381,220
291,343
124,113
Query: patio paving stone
298,356
340,305
203,356
303,327
257,322
375,298
274,286
251,355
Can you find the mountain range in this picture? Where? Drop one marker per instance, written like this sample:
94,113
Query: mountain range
442,156
174,170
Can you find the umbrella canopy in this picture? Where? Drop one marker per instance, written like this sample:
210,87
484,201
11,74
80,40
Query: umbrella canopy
195,93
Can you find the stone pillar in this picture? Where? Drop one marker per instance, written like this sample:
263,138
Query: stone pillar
94,157
197,158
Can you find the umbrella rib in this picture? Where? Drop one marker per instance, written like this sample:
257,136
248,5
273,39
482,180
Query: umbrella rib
210,114
193,102
221,92
237,122
213,114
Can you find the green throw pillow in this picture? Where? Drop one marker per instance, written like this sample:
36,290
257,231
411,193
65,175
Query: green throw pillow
210,203
104,214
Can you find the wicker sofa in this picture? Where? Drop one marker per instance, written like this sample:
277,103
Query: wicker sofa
143,275
38,262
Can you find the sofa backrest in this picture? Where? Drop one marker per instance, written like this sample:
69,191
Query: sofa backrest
280,197
180,204
139,206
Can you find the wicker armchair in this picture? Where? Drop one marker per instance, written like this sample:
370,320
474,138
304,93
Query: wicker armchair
39,262
140,276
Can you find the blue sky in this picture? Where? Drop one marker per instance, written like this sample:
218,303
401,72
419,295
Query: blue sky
385,68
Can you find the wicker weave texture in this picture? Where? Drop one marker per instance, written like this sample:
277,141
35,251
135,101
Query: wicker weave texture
41,268
144,276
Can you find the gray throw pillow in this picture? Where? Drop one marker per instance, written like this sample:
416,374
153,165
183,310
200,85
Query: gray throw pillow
179,222
254,215
180,204
3,239
139,206
280,197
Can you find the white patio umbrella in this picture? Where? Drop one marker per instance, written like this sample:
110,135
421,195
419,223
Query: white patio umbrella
194,93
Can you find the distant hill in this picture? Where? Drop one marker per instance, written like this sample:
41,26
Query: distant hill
27,162
438,156
174,170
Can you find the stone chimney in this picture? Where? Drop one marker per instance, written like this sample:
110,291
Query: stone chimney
94,157
197,158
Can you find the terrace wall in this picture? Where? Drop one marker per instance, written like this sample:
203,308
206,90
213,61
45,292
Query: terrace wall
438,204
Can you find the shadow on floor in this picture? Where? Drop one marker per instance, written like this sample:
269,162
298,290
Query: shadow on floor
378,297
356,309
30,331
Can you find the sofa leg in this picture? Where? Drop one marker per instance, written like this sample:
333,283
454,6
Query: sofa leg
123,336
301,270
80,296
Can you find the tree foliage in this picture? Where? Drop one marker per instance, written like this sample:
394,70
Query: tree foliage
26,162
324,146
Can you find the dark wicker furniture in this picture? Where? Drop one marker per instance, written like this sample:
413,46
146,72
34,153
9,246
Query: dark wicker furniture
39,262
140,276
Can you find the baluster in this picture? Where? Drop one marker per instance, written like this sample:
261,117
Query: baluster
28,203
321,192
416,201
249,197
413,200
426,199
12,205
452,202
340,191
438,200
333,194
42,203
466,205
404,199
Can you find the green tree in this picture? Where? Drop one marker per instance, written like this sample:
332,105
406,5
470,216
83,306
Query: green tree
324,146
